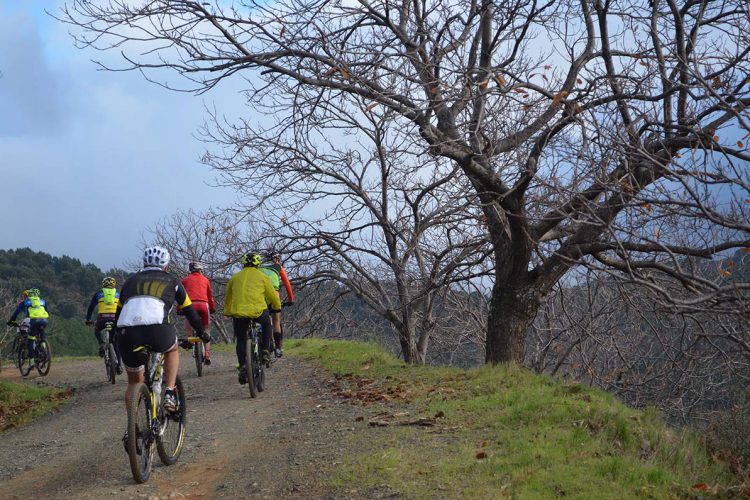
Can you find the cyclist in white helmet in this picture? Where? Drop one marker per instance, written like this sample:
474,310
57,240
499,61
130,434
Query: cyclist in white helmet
146,298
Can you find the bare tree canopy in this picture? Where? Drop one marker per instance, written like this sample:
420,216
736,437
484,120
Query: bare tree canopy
606,133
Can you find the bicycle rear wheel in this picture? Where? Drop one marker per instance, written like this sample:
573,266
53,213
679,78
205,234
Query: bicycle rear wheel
111,363
140,443
43,358
173,430
250,367
198,355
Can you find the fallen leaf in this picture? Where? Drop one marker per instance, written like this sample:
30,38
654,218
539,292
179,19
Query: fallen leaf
359,418
440,414
700,486
481,455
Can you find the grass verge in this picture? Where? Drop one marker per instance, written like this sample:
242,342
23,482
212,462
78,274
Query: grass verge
504,431
21,403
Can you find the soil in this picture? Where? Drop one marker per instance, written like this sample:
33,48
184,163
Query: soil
278,445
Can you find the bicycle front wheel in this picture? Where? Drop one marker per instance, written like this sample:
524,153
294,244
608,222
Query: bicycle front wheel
198,355
22,360
43,358
172,430
140,442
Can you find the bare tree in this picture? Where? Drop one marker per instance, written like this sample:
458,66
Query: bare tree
565,117
352,203
218,239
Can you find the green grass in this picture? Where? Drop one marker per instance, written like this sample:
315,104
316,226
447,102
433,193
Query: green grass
508,432
21,403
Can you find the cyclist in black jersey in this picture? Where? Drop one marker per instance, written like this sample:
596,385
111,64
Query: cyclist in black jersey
143,319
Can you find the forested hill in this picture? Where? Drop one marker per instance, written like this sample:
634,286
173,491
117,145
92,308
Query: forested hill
65,283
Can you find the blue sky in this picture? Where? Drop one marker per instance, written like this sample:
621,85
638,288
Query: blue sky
88,158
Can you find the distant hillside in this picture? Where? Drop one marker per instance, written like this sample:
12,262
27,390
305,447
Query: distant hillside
65,283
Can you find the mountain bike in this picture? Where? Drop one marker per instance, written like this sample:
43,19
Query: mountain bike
43,354
110,356
150,426
254,366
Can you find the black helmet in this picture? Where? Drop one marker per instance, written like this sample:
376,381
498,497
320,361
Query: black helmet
273,254
195,266
252,259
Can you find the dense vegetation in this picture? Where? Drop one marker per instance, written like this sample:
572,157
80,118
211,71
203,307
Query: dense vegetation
65,283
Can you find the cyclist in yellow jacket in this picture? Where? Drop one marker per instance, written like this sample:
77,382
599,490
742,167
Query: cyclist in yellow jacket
248,295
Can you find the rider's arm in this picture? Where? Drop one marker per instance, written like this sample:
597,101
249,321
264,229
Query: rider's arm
272,297
183,301
210,293
287,285
228,298
19,310
92,305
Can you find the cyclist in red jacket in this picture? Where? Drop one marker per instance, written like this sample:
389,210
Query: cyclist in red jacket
199,290
272,268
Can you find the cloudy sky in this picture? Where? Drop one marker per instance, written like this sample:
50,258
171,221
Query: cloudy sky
89,159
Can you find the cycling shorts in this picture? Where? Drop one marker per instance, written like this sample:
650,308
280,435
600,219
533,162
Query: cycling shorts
202,309
102,320
155,338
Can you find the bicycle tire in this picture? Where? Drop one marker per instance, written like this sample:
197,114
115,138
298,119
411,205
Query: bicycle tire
43,352
169,452
249,362
139,410
22,357
198,355
16,342
111,363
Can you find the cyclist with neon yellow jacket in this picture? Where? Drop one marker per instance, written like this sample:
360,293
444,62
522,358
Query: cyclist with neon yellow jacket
247,299
35,308
105,301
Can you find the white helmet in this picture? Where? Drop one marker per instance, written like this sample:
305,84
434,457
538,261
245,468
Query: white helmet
155,257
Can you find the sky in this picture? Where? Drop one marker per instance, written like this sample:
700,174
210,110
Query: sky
90,159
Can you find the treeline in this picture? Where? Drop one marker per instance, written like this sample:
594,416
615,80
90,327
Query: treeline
65,283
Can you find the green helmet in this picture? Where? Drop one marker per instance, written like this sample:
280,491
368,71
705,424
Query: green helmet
252,259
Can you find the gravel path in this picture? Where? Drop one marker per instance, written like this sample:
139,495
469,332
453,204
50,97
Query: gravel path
270,447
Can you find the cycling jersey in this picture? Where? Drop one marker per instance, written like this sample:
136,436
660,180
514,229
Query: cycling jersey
248,294
105,301
277,274
148,296
36,309
198,288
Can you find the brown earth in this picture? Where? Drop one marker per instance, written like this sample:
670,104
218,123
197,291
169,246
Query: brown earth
278,445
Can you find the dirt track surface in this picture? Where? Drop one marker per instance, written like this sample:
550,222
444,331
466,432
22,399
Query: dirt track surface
270,447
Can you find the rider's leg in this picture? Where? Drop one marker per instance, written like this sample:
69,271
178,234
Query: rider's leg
266,331
35,329
240,326
135,361
171,365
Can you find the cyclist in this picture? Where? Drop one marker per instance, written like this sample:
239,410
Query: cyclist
35,308
143,319
249,292
272,268
198,288
105,301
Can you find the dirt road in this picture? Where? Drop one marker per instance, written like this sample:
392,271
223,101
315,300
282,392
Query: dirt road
270,447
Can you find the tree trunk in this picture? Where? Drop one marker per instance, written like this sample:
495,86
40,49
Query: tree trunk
409,350
512,311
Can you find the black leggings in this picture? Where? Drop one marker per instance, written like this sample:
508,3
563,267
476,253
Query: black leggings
242,326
